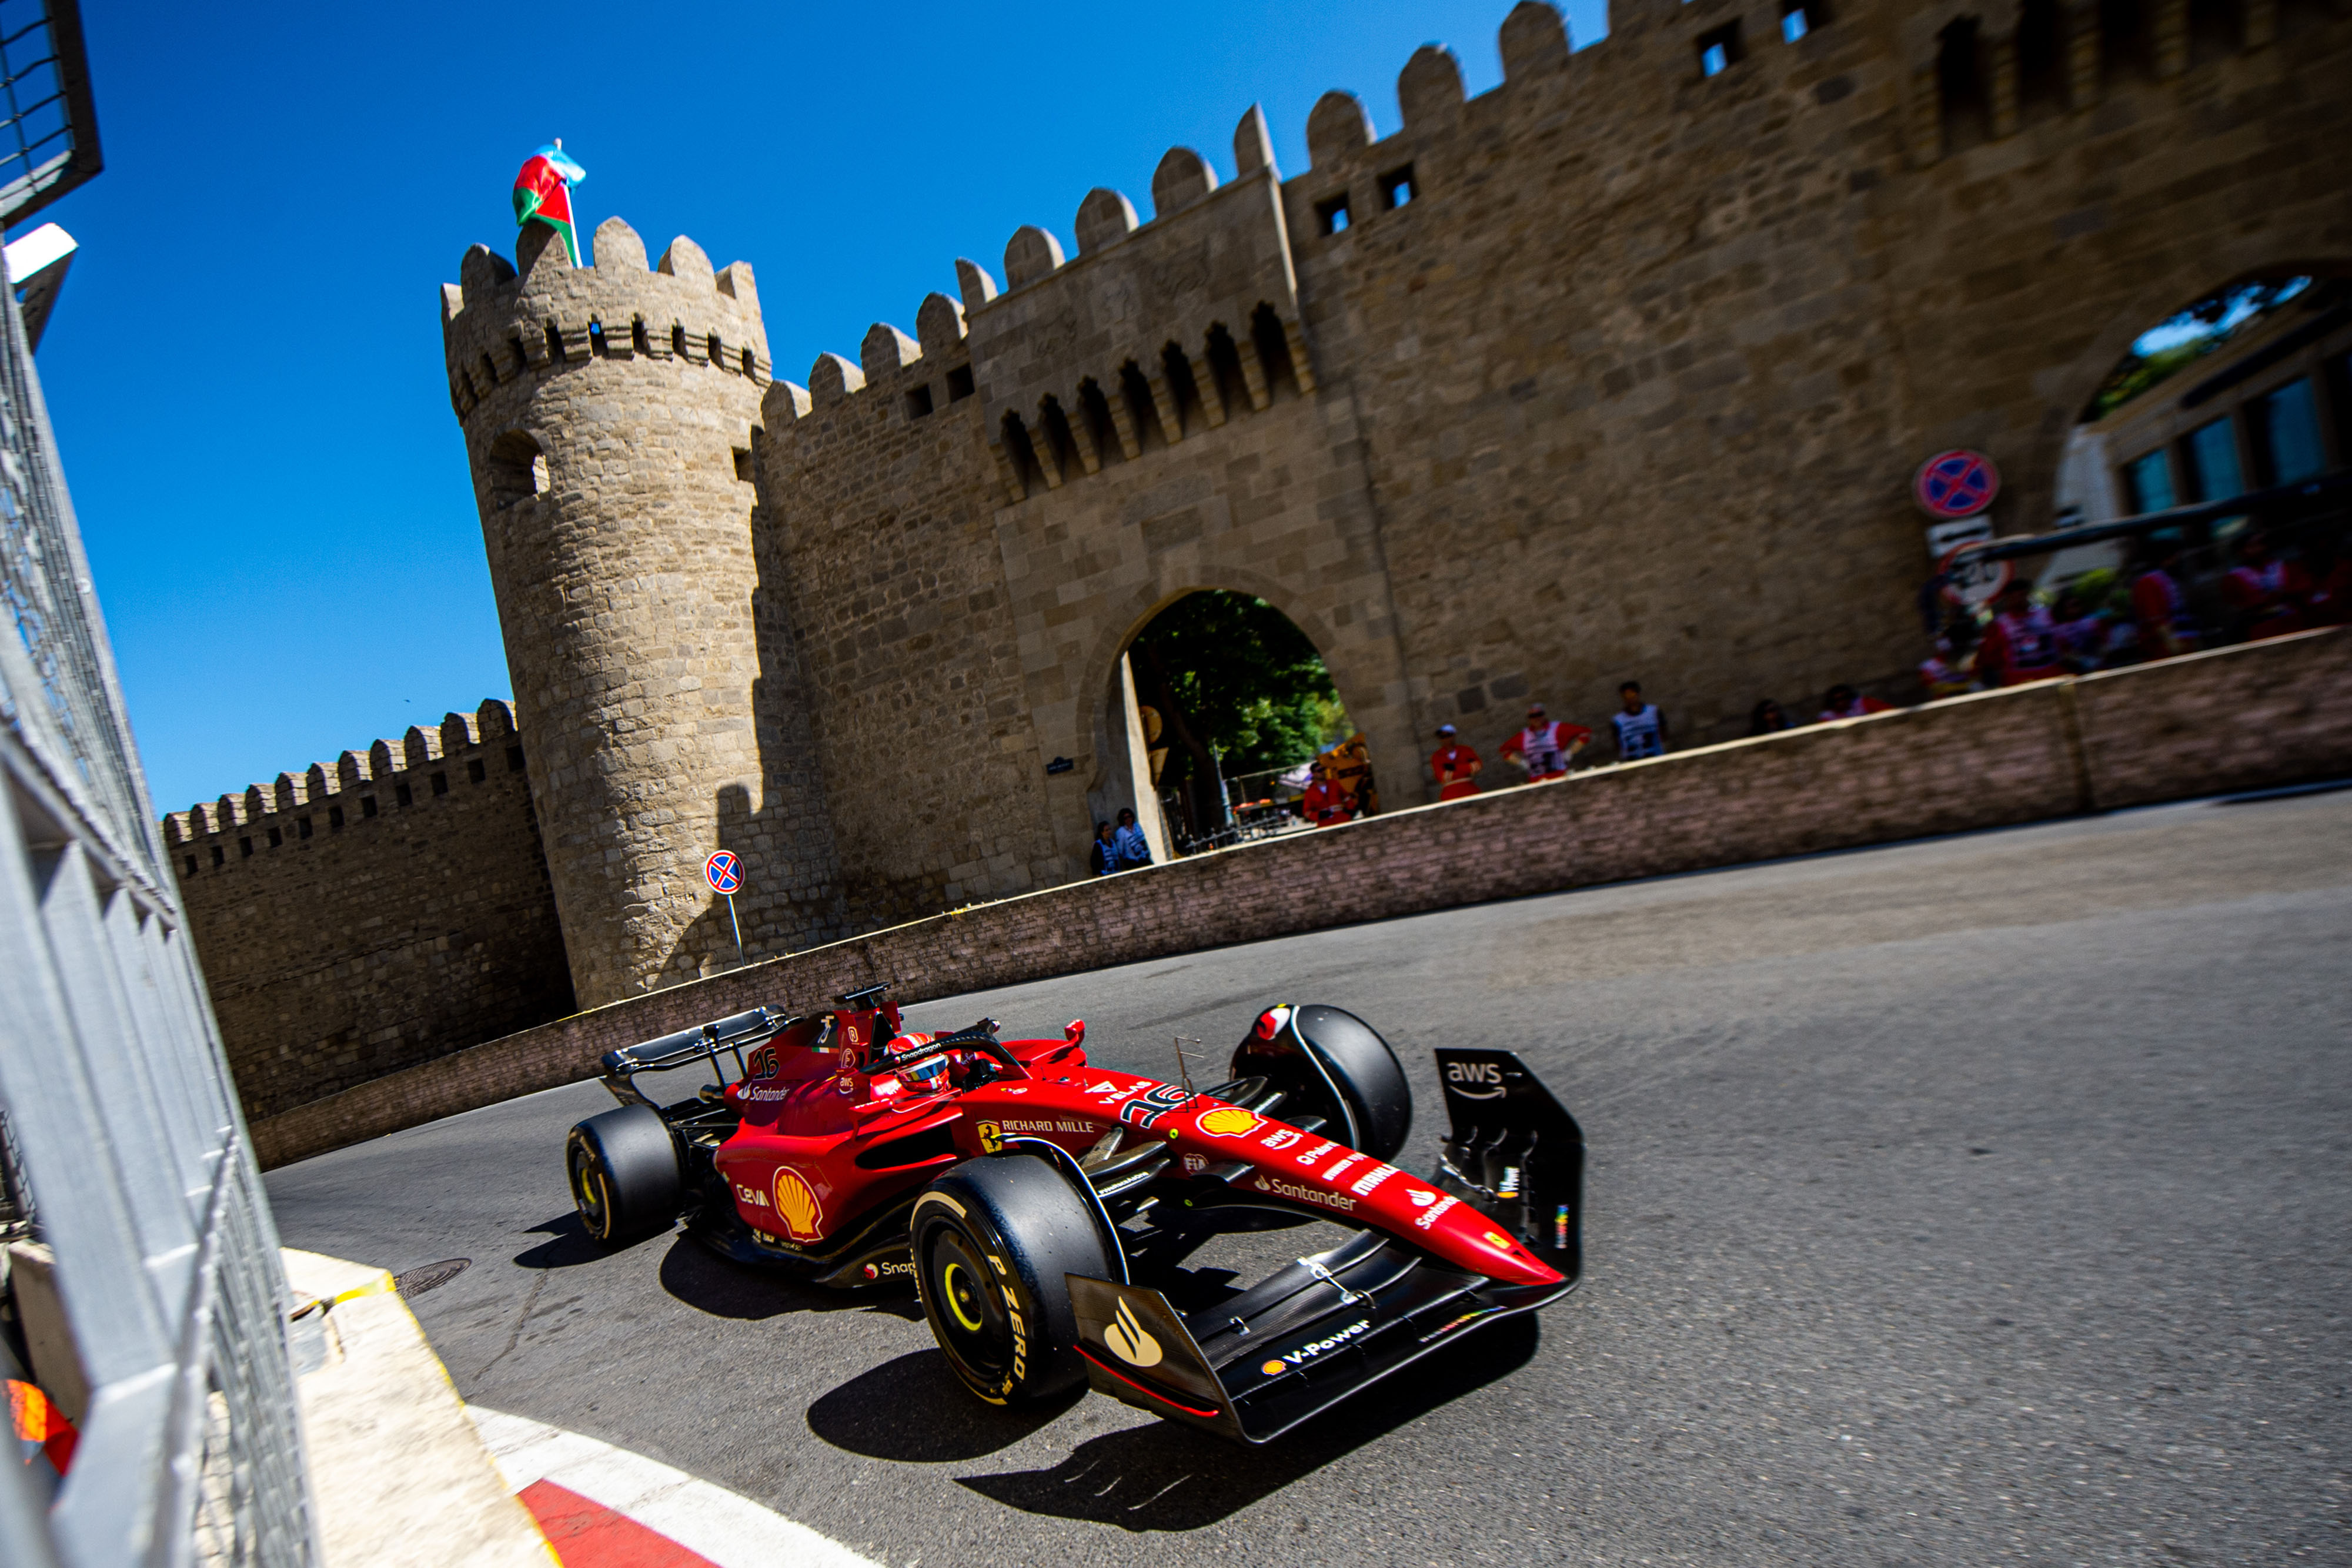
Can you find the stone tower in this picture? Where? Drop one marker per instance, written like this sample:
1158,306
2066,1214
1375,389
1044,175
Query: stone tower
610,414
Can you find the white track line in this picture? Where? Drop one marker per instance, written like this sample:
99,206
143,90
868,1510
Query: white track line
732,1531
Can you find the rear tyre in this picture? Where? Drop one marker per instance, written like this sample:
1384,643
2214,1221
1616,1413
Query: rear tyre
992,1241
623,1166
1332,1063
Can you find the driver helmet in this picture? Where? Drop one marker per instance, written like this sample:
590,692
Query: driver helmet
927,1074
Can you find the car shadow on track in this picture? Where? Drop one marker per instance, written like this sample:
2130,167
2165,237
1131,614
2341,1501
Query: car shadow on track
568,1244
708,1284
1166,1477
912,1410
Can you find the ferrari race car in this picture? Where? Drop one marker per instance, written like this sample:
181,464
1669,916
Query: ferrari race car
1036,1201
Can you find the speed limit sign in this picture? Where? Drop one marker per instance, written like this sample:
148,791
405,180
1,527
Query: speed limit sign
1969,579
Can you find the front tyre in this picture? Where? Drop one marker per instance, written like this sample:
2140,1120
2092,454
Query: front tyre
992,1241
623,1166
1329,1063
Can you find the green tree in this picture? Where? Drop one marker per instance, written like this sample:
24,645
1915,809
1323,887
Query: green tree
1228,671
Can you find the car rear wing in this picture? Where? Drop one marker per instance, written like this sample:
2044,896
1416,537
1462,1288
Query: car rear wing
687,1047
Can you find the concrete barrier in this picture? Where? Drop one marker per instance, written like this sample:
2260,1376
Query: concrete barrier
2267,714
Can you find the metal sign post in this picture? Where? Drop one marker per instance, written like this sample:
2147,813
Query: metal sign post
724,873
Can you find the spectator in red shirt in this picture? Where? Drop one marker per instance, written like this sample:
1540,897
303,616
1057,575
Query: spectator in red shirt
2266,590
1841,701
1544,747
1325,804
2020,644
2160,605
1454,765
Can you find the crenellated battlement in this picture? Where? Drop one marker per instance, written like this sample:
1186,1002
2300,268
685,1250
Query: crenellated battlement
389,776
1153,332
1152,329
500,325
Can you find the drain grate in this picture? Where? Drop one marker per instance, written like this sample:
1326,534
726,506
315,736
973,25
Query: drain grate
432,1276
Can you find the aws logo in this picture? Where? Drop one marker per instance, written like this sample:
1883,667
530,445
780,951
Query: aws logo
1474,1080
797,1205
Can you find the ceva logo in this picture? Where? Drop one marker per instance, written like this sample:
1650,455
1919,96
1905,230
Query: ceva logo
1127,1339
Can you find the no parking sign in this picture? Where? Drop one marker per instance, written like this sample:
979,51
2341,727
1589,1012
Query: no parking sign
1956,484
724,872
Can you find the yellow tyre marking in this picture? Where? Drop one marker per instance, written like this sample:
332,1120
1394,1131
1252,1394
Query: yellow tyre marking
947,1284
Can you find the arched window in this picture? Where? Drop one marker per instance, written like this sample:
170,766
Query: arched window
2124,46
1142,412
2040,62
1960,85
1053,435
518,469
2216,30
1273,345
1022,456
1182,389
1225,365
1095,409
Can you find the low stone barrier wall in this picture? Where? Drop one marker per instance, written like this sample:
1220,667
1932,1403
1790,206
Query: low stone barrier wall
2267,714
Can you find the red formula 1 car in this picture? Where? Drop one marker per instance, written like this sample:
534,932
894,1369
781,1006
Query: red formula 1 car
1033,1199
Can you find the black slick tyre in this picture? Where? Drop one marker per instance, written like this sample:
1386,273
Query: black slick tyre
992,1241
1332,1062
623,1166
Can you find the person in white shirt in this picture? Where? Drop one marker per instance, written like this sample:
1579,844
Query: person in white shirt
1545,747
1641,727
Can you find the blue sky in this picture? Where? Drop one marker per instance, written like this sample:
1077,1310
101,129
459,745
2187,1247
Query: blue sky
245,367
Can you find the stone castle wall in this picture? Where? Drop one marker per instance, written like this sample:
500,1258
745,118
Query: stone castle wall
359,919
1617,370
2242,718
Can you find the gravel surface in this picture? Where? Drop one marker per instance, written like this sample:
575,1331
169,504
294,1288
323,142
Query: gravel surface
1976,1200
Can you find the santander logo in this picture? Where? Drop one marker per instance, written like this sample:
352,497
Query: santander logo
1127,1339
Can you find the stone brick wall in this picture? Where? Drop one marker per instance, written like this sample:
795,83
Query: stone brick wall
360,919
1616,370
878,560
1620,369
2273,712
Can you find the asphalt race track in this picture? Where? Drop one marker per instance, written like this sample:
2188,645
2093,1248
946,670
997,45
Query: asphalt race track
1977,1200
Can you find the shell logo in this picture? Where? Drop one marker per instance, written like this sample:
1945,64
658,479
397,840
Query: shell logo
1227,1122
797,1205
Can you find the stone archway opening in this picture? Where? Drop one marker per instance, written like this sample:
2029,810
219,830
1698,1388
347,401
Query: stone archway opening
2244,392
1232,695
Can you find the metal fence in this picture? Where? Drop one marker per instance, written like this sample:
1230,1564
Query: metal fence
124,1152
